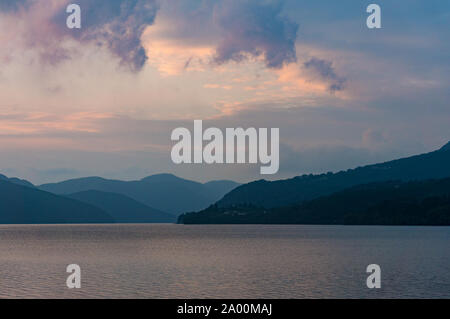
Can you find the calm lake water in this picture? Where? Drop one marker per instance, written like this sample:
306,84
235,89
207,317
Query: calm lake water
177,261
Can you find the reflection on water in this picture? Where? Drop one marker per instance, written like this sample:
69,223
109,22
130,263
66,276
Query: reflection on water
177,261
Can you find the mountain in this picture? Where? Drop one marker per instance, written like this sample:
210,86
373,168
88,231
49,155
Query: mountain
384,203
164,192
25,205
16,180
221,187
446,147
123,208
302,188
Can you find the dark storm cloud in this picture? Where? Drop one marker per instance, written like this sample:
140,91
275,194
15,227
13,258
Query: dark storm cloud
324,69
115,24
254,27
247,28
118,25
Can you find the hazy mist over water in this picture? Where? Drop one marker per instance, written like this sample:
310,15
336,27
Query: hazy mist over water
245,261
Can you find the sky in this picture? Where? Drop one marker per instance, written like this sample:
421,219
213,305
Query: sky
103,100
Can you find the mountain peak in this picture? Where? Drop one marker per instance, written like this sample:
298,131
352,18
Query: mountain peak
446,147
433,165
161,178
16,180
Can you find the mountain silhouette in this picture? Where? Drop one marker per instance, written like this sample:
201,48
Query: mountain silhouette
446,147
221,186
383,203
25,205
16,180
270,194
123,208
164,192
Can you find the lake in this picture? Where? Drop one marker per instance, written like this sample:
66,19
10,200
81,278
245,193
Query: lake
229,261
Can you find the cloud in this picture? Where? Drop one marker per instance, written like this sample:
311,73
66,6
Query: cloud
118,25
374,138
172,57
324,70
217,86
11,5
196,36
312,140
114,24
255,28
26,125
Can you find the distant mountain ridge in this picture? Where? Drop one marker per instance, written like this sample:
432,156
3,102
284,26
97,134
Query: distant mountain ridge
383,203
158,197
16,180
25,205
303,188
123,208
163,192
